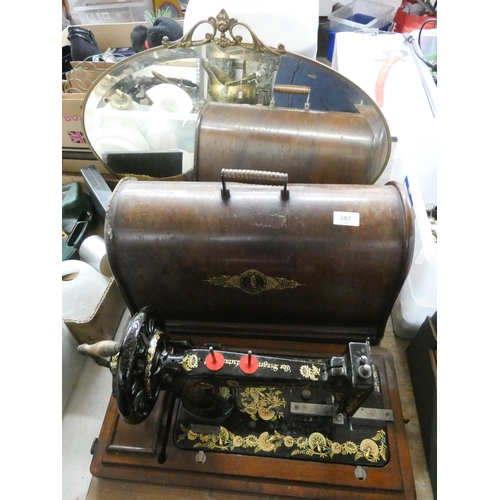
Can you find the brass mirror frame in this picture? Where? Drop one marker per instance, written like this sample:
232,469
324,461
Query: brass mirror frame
224,25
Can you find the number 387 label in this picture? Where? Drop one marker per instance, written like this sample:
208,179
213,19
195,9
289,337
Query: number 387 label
345,218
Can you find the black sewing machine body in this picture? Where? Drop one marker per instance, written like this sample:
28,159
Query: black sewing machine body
253,404
319,409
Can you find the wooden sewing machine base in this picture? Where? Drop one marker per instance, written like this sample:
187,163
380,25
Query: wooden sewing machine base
146,453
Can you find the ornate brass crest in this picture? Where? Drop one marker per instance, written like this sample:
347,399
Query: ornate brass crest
253,282
224,25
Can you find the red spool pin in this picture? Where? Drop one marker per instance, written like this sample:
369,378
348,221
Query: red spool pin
249,363
214,360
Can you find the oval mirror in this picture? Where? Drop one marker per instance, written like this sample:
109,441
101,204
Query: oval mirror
187,109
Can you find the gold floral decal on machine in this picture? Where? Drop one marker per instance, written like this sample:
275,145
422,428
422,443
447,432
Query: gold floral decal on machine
316,444
189,362
253,282
150,359
311,372
263,402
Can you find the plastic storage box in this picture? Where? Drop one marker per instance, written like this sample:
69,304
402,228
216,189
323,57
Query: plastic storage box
119,11
356,16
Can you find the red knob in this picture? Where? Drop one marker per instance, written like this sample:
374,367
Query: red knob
249,363
214,360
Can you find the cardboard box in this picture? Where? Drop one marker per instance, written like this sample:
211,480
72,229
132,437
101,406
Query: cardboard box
76,151
107,35
105,319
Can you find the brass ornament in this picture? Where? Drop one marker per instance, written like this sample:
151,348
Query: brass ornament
223,88
253,282
225,25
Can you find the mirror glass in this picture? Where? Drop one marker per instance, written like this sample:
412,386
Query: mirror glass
141,116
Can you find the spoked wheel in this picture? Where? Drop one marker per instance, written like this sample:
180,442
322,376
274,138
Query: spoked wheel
137,380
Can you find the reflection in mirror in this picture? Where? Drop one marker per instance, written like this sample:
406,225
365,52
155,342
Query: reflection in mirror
188,109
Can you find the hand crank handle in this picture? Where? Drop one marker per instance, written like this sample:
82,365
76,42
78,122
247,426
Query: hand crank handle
100,350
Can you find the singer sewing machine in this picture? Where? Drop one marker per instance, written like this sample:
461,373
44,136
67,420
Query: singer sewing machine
248,362
251,363
228,398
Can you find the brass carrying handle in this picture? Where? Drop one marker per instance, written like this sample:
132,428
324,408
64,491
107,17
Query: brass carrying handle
253,177
293,89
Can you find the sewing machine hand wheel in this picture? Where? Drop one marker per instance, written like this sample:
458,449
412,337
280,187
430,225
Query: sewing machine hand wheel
137,379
